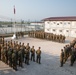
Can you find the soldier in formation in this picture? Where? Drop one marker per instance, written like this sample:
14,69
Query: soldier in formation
49,36
61,58
14,53
38,58
69,52
27,54
33,53
19,35
0,51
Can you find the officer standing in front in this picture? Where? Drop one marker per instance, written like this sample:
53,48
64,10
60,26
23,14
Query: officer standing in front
38,58
61,58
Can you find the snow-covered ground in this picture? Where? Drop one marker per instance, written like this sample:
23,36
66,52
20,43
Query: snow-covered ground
50,64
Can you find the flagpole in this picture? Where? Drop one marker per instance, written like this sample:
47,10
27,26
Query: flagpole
14,21
14,35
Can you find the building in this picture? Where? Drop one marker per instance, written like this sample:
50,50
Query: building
61,25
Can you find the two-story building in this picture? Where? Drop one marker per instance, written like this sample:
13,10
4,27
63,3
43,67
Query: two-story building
61,25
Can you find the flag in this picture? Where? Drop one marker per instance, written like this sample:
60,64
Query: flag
14,10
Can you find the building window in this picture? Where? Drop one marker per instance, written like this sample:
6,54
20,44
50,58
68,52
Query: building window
57,23
64,23
67,30
60,30
54,30
47,29
60,22
68,22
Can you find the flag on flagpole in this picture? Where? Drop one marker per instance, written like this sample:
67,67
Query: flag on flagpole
14,10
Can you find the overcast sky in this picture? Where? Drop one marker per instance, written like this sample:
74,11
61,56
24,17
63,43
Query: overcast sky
36,9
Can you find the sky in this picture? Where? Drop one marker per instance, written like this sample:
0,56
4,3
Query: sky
36,10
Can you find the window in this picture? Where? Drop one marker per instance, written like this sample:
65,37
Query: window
60,30
60,22
68,22
64,23
67,30
47,29
57,23
54,30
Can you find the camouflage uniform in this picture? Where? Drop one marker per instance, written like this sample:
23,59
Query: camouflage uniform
61,58
73,58
23,51
0,51
3,41
14,61
2,54
20,59
33,53
10,51
6,55
38,58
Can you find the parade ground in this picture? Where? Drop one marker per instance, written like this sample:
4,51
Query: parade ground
50,62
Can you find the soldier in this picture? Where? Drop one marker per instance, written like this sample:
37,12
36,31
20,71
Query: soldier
20,59
65,54
38,58
2,54
6,54
27,47
14,43
16,35
23,51
61,58
11,42
17,49
20,44
72,59
0,51
60,38
27,57
27,54
14,61
3,41
63,39
10,50
53,37
33,53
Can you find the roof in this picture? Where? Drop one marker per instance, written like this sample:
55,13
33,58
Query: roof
60,19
